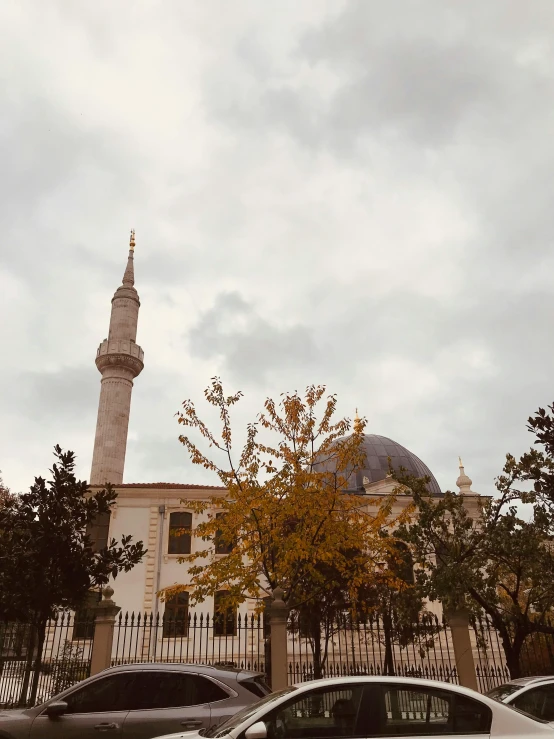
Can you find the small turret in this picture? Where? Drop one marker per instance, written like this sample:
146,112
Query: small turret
463,481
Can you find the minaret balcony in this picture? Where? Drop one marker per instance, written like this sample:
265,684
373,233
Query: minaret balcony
120,352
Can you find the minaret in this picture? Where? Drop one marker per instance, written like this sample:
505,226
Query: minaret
120,360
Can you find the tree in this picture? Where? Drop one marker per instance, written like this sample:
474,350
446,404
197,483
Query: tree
496,562
47,561
286,516
5,493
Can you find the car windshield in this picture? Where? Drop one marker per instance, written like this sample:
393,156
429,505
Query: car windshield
503,691
241,716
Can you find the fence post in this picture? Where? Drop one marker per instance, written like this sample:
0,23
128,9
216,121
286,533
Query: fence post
463,653
106,611
278,624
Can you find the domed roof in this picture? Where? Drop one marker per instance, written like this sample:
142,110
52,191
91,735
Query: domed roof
378,449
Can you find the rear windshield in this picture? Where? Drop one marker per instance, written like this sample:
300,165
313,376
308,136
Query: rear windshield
255,685
503,691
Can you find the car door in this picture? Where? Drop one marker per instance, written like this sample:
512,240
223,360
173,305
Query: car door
167,701
403,710
93,710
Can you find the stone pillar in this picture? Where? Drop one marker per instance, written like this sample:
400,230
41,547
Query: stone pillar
278,611
106,611
463,651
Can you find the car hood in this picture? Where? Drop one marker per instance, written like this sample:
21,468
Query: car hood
181,735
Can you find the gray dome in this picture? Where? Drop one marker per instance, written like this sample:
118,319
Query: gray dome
376,468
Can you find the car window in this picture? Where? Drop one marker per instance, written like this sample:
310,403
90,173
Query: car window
110,693
248,711
321,713
538,702
208,691
503,691
157,689
407,711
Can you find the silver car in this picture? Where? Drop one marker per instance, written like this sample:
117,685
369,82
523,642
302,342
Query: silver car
138,701
359,707
534,695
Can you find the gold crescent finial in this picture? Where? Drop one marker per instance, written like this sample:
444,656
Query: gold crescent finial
460,461
132,240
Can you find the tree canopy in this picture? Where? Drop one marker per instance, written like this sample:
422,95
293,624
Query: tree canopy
47,559
500,560
287,518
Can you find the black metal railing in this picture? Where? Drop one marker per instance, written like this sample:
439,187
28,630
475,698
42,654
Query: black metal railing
28,678
350,646
197,639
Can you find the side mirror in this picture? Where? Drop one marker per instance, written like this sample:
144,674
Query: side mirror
256,731
57,708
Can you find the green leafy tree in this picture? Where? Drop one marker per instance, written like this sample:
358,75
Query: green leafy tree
47,561
493,560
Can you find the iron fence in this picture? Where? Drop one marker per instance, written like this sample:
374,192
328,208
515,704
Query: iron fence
28,678
194,639
370,646
536,658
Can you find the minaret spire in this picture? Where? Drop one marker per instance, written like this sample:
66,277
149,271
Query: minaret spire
129,274
119,359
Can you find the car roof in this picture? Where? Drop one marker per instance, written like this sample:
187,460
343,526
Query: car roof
392,680
522,681
188,666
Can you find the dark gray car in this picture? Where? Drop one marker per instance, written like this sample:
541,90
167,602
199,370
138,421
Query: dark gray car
138,701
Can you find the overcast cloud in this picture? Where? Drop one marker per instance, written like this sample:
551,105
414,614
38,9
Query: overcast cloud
353,193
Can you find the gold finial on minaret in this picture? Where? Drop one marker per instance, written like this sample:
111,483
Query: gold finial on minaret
461,463
357,423
132,240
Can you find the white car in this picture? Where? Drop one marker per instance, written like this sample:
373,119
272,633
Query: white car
352,707
534,695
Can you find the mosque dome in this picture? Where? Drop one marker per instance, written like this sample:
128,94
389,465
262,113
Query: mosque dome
376,468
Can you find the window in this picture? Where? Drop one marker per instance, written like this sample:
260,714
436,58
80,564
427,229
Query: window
538,702
180,525
112,693
402,563
98,532
222,546
425,712
323,713
225,619
176,616
83,624
155,689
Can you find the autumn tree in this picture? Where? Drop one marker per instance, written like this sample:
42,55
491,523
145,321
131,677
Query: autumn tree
497,562
287,517
47,562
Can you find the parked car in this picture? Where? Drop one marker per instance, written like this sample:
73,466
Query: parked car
534,695
138,701
375,707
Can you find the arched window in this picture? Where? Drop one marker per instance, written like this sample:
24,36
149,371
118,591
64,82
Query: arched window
225,619
176,616
180,525
222,545
402,563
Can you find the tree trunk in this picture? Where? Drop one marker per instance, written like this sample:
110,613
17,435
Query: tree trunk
41,632
388,666
316,650
512,651
22,702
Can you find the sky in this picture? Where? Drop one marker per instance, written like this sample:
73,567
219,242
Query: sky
350,193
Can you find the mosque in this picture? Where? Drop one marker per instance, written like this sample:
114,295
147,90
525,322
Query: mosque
149,511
